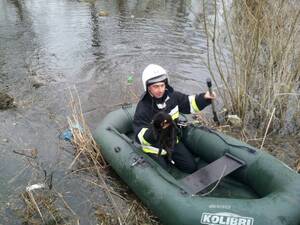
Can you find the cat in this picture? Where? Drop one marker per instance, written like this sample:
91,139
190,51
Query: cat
165,133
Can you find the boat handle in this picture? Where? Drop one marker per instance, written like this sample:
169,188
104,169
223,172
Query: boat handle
137,161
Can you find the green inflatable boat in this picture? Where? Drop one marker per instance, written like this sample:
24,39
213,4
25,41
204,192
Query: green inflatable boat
235,184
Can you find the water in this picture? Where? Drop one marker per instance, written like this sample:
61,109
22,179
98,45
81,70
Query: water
55,45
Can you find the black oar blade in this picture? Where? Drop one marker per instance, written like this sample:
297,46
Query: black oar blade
215,116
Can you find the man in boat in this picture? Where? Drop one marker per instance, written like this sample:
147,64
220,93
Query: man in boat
159,96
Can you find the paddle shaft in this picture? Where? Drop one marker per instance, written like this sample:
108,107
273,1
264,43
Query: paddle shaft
215,118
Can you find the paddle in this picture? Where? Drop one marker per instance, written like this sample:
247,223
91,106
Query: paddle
216,119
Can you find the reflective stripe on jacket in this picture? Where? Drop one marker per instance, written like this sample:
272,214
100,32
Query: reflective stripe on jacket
174,102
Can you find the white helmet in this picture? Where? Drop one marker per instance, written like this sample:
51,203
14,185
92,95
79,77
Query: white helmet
153,74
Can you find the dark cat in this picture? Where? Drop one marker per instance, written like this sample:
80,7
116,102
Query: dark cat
165,133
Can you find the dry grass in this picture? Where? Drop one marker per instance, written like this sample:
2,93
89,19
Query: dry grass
125,209
298,166
83,140
41,207
42,203
136,215
258,68
254,59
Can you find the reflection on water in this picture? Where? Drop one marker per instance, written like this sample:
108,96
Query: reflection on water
61,43
71,35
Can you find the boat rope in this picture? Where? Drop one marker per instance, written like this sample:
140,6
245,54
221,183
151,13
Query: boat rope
217,184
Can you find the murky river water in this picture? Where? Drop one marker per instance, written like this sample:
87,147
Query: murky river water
48,46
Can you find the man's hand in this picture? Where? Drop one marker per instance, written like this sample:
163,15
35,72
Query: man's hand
211,96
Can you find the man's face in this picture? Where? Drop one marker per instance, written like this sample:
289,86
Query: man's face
157,90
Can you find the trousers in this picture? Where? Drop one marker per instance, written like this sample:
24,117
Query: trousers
183,158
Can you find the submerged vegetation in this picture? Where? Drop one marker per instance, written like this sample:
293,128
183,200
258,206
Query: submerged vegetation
257,74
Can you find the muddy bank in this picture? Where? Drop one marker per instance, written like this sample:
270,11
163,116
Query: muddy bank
6,101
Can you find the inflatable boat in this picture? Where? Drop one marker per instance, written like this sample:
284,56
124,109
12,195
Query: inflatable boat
236,184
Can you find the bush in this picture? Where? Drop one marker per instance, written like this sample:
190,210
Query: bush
255,60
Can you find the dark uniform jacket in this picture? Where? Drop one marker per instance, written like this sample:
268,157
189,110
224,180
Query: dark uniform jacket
172,102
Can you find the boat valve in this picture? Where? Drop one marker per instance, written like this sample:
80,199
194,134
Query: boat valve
117,149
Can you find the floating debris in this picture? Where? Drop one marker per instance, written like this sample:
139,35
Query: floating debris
30,153
89,1
102,13
234,120
37,81
35,186
130,79
67,135
6,101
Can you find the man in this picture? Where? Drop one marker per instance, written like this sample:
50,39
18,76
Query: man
160,96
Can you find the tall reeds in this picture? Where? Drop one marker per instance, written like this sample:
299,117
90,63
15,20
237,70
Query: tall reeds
85,145
254,58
